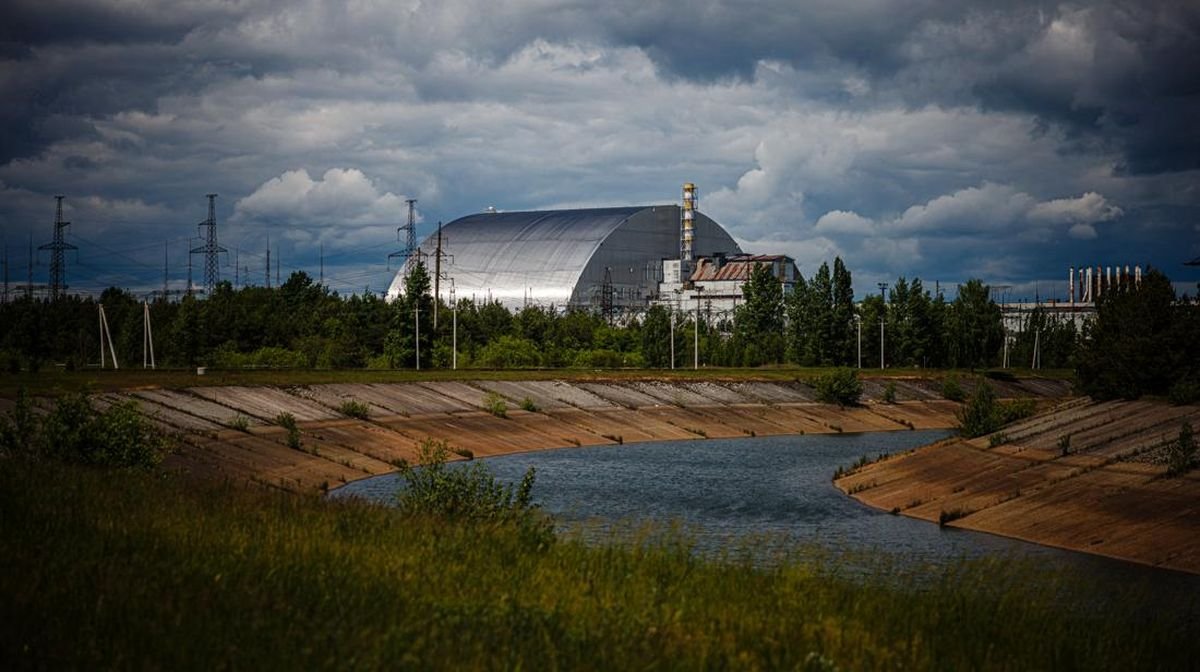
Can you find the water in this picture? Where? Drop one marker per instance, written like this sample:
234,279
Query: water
723,490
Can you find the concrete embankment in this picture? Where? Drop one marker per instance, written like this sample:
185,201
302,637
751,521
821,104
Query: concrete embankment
1104,490
233,433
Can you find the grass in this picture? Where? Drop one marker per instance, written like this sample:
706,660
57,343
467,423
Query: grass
53,381
132,570
353,408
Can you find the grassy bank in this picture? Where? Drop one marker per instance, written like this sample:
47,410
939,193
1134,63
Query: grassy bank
56,381
129,570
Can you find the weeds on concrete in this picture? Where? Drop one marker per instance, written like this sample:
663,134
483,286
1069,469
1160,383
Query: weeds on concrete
496,405
353,408
527,404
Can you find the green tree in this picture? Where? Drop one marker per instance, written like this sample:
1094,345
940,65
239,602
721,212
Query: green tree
842,334
656,337
758,323
974,326
1142,341
412,321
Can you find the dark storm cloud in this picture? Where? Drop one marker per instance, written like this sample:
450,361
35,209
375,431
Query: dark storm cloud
1070,125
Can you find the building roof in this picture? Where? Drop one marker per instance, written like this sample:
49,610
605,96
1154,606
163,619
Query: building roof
736,268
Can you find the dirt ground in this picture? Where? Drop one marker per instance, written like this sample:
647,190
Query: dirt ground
1103,490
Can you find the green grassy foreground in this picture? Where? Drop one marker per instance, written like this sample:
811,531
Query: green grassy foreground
134,570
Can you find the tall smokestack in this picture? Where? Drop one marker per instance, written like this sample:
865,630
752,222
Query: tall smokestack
686,231
1071,285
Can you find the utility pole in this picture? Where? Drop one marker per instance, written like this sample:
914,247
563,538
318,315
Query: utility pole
268,272
437,275
883,294
210,249
166,252
105,335
57,247
322,264
417,324
672,337
696,336
277,282
29,281
147,336
454,328
858,319
237,268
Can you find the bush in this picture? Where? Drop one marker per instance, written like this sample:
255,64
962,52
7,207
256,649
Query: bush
508,352
470,494
952,389
119,436
1064,445
240,423
980,416
495,404
841,387
288,422
353,408
1182,452
1184,392
889,393
1017,409
528,405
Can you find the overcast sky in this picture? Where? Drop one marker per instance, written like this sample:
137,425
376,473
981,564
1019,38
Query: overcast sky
940,139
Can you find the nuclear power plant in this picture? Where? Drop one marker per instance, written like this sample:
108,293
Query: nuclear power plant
615,260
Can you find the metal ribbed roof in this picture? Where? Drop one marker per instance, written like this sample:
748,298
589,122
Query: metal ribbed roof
510,254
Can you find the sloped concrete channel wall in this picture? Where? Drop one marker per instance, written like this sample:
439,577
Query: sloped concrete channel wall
1107,494
231,432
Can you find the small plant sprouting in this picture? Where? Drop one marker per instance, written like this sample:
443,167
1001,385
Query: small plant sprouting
997,439
495,404
527,404
1064,445
240,422
889,392
353,408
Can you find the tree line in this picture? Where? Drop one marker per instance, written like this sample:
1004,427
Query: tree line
304,324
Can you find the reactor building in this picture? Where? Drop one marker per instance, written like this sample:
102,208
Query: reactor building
596,258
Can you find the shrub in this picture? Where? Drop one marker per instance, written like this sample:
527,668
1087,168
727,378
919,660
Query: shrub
528,405
465,453
288,422
979,416
841,387
353,408
950,516
119,436
1064,445
1184,392
495,404
952,389
1017,409
1182,452
470,494
889,393
997,439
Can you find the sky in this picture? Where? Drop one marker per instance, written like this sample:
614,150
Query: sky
921,138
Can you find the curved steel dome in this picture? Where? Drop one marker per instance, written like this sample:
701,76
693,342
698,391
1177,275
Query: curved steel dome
560,257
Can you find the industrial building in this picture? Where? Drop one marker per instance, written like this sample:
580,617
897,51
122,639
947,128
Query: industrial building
596,258
714,286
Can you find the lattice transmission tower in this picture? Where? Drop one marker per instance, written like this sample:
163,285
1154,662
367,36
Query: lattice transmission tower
210,249
58,247
410,233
